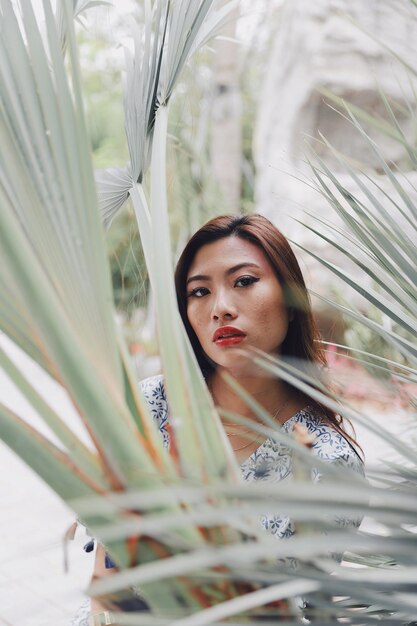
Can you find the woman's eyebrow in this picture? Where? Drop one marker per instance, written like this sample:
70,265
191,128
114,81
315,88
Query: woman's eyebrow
240,266
229,271
197,277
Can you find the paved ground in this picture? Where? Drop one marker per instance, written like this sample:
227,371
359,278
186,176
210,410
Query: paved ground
34,589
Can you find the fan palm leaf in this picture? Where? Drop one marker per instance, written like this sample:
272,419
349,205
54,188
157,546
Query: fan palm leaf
42,226
378,239
171,33
52,247
57,307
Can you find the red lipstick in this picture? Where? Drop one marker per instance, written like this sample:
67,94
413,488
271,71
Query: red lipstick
228,335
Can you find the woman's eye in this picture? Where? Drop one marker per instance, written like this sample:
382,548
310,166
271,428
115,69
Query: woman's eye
198,292
246,281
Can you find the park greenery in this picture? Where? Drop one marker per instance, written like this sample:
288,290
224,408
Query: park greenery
183,530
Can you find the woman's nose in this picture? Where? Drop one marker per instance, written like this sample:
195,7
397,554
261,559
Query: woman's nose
223,308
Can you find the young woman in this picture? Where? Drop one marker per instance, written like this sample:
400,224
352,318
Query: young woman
239,287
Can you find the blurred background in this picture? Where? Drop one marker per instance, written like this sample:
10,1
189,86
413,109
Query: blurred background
249,108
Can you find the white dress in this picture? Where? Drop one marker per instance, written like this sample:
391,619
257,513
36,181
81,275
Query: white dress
271,461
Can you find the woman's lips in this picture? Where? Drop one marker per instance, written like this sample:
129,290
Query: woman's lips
228,341
228,335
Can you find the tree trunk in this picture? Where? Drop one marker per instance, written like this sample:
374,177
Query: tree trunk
226,140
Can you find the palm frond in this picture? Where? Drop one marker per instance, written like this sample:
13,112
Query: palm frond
302,377
78,7
171,34
52,246
54,254
379,241
373,361
390,128
202,542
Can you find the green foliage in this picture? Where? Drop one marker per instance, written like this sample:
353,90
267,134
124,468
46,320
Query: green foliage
127,265
105,122
181,526
193,196
192,193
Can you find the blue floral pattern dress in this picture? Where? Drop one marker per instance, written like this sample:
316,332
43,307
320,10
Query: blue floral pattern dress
272,461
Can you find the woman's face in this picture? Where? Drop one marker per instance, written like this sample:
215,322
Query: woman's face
234,301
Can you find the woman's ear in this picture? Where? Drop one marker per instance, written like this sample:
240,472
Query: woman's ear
290,314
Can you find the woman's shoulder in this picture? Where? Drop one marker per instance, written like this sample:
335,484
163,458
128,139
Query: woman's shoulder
328,443
153,387
153,390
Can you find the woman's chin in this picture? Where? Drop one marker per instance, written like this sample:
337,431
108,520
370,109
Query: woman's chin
239,364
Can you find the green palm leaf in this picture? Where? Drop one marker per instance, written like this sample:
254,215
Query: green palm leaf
52,247
203,543
53,251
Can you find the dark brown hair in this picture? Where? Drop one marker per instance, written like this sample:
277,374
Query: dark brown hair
302,341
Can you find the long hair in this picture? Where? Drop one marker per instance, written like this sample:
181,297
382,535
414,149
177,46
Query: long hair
302,342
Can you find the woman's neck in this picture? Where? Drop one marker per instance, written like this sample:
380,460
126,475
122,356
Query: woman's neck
270,393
